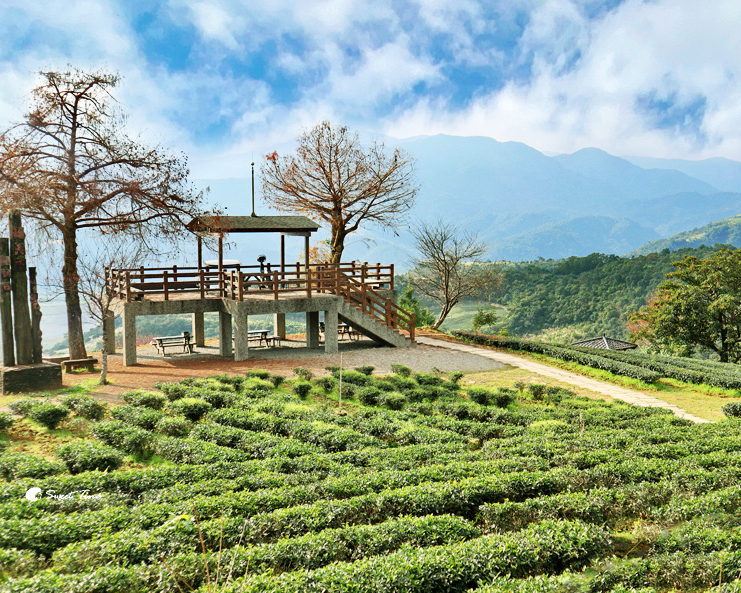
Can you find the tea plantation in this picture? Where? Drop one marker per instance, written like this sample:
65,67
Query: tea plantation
417,485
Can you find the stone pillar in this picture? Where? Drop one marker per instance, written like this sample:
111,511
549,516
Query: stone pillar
241,339
330,332
279,325
312,329
129,337
198,329
109,332
225,334
19,288
6,304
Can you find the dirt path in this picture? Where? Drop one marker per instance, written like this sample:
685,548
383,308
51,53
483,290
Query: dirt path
627,395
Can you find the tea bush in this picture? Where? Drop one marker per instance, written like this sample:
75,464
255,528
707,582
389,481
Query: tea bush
83,456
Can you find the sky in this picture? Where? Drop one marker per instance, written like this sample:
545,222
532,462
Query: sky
227,80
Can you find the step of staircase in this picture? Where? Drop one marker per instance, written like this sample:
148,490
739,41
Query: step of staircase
372,328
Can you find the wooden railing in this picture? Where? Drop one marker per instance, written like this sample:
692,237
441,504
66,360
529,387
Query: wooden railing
356,283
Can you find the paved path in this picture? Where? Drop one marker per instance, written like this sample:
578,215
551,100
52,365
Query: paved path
627,395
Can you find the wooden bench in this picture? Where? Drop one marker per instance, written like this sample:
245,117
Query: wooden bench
343,329
87,363
181,341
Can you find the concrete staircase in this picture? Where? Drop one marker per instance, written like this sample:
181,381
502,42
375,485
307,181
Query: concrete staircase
374,329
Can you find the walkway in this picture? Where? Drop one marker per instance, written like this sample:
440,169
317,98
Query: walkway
627,395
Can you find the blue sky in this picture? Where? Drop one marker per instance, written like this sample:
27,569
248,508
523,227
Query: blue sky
222,80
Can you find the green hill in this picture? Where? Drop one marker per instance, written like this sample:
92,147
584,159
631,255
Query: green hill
727,231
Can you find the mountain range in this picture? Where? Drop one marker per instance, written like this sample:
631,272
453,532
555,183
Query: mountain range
527,205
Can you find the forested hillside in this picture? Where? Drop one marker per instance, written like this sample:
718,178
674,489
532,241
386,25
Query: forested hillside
583,296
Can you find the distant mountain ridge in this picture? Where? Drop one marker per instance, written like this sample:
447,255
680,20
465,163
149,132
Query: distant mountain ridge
528,205
726,232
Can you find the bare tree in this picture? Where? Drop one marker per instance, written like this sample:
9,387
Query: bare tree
69,167
448,268
334,178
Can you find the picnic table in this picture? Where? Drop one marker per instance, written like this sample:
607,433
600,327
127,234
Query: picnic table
181,341
343,329
261,335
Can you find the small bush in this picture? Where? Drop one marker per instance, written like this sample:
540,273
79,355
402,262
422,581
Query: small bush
369,395
174,426
537,390
384,385
23,407
21,465
732,410
502,397
145,399
83,456
6,421
145,418
85,406
349,390
258,374
554,395
255,387
218,399
233,381
455,377
276,380
428,379
479,395
395,400
417,394
129,438
332,368
366,370
354,378
48,414
192,408
326,383
305,374
302,388
520,386
402,383
401,370
173,391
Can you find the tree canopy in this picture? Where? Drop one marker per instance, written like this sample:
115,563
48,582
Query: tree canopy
699,305
69,166
333,177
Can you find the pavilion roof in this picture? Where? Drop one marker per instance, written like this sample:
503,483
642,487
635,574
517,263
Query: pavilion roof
252,224
606,343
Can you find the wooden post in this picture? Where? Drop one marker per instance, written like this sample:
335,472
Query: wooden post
308,281
275,285
363,272
240,287
411,328
164,284
35,317
19,287
306,250
392,277
141,273
202,282
364,293
388,312
200,252
6,304
128,287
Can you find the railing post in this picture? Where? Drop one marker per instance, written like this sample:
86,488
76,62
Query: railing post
164,284
128,287
337,285
308,282
391,282
231,284
363,272
202,282
364,294
141,273
174,273
388,312
275,285
240,287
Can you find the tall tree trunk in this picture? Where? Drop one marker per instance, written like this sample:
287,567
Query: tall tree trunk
337,245
70,281
104,362
447,307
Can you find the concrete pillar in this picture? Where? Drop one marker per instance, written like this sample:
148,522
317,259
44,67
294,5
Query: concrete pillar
241,339
109,332
198,329
129,338
330,332
279,325
225,334
312,329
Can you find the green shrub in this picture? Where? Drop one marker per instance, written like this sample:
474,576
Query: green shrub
327,384
732,410
145,399
520,386
455,377
173,391
233,381
332,368
258,374
218,399
428,379
276,380
394,400
174,426
401,383
83,456
129,438
502,397
23,407
353,377
192,408
479,395
366,370
304,373
401,370
6,421
369,395
20,465
85,406
49,414
254,387
302,388
384,385
349,390
145,418
537,390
